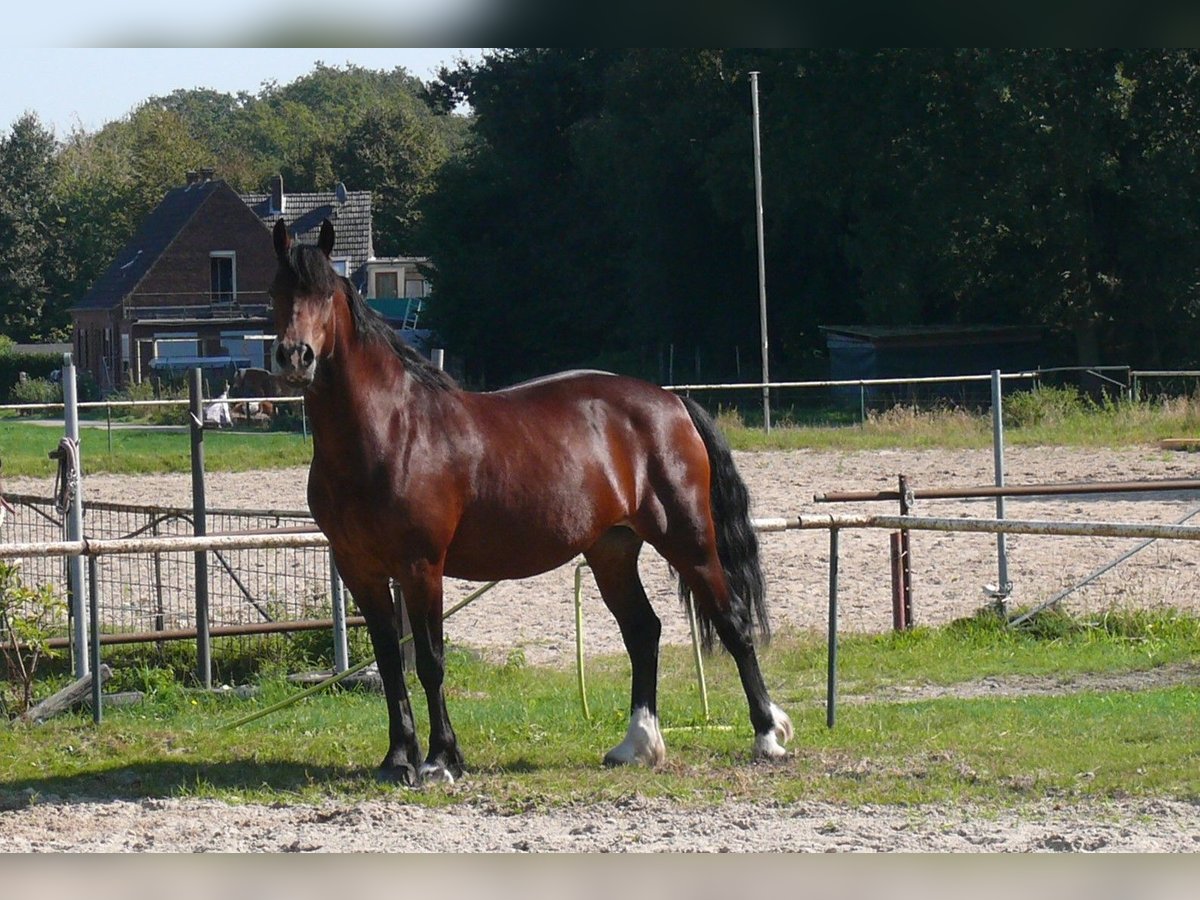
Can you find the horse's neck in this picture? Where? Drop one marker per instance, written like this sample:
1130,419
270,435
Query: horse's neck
367,401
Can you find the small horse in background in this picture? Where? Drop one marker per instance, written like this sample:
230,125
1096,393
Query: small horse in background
415,479
252,383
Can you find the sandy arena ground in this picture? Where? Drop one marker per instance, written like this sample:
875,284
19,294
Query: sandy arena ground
949,570
949,573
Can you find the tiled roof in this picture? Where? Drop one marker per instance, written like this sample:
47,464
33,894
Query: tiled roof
155,235
304,213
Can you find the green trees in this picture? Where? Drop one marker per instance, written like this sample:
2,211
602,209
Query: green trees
605,212
26,238
67,208
598,207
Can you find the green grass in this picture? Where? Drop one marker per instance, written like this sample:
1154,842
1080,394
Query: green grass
24,448
1045,419
527,744
1049,418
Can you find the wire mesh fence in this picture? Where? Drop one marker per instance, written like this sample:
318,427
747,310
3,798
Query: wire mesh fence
141,594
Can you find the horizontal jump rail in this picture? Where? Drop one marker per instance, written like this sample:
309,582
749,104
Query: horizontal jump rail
986,526
283,538
188,634
851,382
174,544
1016,490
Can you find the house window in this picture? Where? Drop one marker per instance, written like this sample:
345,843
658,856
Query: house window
223,275
416,286
387,285
341,265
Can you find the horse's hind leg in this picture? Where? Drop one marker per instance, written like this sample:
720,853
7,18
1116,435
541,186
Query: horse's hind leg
613,561
710,591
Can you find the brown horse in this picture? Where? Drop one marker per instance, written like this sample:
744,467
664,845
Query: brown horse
414,479
250,386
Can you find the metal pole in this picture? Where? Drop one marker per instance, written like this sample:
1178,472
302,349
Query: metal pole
580,678
438,357
160,621
897,582
94,594
697,657
74,523
341,644
200,528
1003,585
831,679
762,265
906,500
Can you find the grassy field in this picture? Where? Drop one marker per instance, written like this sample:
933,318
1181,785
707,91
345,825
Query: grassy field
24,449
528,745
1048,418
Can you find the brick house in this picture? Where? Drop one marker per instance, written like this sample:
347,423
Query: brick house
189,289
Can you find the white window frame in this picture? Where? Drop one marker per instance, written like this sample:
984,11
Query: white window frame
341,265
231,255
398,271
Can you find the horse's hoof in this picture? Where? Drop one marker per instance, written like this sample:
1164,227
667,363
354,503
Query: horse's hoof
770,744
643,744
402,774
435,773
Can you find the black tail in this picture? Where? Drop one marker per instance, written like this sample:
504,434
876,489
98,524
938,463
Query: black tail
737,544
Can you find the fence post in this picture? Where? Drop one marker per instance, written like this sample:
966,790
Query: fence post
337,597
76,581
1003,586
200,528
906,591
160,619
94,594
831,661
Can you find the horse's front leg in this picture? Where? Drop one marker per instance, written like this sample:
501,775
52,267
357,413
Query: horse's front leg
422,590
374,599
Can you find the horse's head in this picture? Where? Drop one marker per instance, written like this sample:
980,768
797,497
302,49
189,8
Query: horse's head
302,297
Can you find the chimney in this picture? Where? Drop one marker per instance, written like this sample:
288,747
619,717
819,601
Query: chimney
192,176
207,174
277,198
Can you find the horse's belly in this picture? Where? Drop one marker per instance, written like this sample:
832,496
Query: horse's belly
502,549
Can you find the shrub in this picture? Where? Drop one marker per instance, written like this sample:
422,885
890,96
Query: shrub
1042,406
36,390
153,415
27,617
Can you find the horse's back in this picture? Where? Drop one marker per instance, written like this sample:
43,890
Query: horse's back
587,387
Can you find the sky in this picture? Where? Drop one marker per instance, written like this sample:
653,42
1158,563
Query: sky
89,86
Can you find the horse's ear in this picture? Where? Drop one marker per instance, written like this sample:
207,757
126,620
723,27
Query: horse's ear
325,239
282,239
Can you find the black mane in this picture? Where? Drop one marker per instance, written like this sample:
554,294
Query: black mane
311,272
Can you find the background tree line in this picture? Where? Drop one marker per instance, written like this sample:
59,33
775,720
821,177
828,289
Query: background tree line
67,206
597,206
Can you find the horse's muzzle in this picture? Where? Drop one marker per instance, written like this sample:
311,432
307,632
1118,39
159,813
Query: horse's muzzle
294,362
